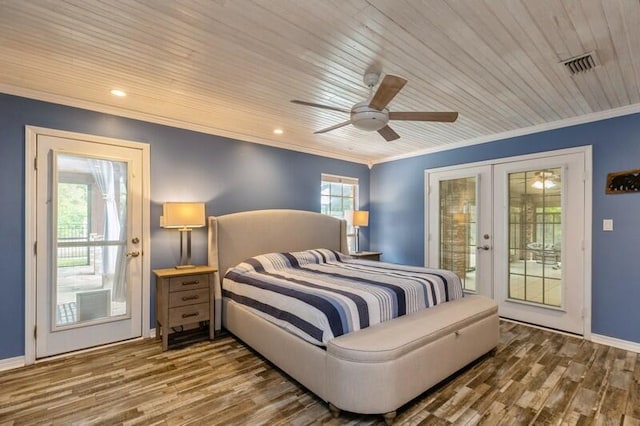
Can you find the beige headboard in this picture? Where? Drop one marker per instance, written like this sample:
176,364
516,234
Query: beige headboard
235,237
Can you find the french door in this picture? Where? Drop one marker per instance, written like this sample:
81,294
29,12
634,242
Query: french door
89,203
515,231
460,225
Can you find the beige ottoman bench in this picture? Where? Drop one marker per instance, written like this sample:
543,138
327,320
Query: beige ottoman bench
381,368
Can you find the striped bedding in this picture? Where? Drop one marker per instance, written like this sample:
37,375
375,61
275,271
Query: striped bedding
321,294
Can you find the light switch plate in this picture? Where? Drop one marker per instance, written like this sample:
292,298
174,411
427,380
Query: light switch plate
607,224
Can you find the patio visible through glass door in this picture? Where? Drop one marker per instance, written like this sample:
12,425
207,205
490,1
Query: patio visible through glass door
535,236
458,229
91,228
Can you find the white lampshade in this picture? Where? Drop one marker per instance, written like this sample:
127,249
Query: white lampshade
360,218
182,215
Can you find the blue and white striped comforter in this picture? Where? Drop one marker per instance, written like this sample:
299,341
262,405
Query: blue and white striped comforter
321,294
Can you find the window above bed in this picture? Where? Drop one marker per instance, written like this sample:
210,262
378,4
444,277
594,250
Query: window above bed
338,195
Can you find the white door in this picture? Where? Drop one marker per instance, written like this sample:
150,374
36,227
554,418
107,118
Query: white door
539,256
89,244
459,225
527,220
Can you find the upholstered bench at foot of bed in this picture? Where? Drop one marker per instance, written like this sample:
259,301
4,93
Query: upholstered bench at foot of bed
380,368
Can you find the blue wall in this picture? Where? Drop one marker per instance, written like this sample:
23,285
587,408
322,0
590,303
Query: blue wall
233,176
397,211
185,166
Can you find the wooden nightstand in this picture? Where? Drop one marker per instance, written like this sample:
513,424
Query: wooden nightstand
366,255
183,296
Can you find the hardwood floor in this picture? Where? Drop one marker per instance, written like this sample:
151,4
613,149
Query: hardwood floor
535,377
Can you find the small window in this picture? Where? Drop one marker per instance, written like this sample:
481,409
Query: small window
339,194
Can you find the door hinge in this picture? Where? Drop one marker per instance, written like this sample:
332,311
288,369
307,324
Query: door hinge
35,332
35,163
35,247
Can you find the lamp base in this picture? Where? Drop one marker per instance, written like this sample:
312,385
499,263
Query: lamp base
185,261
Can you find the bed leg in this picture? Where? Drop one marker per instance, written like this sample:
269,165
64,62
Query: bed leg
389,417
335,411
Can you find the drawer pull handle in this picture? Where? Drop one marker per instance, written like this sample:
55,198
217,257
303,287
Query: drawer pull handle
191,282
185,298
192,314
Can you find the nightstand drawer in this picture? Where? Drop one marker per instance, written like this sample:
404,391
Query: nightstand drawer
191,282
188,297
188,314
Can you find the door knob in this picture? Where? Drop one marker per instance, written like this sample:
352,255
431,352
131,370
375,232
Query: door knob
484,247
133,254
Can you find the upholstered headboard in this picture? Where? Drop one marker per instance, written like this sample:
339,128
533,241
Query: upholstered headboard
235,237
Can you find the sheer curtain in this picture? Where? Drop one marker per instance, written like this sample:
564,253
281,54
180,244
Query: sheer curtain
107,176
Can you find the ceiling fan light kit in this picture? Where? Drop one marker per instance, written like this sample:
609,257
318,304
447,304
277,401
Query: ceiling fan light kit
373,114
364,117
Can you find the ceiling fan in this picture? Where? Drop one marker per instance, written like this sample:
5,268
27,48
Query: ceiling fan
373,114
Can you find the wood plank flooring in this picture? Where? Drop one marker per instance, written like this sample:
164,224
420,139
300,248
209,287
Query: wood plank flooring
535,377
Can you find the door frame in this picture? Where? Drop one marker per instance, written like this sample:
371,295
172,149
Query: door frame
588,212
30,220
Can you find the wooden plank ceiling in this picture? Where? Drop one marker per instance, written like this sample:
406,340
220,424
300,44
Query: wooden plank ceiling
231,67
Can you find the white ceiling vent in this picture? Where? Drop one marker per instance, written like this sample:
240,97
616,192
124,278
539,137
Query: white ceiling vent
581,63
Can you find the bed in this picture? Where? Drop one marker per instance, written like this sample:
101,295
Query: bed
373,370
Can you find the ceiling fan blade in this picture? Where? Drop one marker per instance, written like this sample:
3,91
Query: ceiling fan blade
388,89
388,133
447,117
311,104
337,126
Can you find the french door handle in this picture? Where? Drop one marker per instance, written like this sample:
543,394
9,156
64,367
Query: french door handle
484,247
133,254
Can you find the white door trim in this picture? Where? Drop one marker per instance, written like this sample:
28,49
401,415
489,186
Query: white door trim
588,211
31,133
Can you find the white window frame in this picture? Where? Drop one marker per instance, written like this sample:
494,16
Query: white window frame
345,180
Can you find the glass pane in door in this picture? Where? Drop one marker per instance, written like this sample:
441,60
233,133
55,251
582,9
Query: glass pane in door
90,235
458,228
535,236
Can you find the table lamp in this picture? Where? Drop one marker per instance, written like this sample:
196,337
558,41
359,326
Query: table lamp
360,219
184,217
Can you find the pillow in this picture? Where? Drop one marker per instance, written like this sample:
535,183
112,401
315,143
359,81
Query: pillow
276,261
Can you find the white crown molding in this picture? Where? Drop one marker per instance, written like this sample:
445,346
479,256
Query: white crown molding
152,118
568,122
616,343
11,363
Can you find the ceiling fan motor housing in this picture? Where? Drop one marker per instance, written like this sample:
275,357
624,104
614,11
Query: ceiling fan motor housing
366,118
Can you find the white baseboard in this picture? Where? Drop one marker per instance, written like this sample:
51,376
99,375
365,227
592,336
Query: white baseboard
11,363
616,343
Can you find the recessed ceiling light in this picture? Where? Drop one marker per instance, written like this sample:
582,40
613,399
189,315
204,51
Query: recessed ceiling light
118,92
278,131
